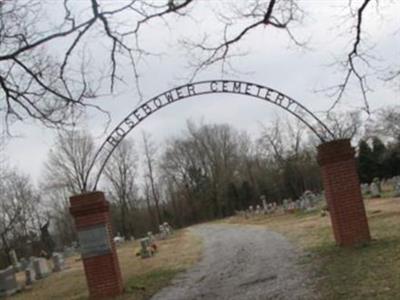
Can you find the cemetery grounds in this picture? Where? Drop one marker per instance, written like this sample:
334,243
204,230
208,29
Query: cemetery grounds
142,277
365,272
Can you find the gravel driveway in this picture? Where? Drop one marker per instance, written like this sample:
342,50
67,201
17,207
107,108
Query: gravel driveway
241,263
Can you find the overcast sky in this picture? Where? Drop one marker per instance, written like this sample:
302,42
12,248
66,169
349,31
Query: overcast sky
271,60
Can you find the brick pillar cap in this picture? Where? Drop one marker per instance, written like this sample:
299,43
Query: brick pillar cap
88,203
335,151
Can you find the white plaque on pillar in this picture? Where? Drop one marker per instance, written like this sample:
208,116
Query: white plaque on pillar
94,241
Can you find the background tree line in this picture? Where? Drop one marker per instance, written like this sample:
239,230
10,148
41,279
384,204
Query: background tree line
207,172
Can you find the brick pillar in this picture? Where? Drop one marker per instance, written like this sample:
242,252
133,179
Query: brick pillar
92,220
343,193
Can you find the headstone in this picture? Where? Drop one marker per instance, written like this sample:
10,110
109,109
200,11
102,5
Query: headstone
8,282
24,263
364,188
285,204
41,268
268,208
145,250
291,206
150,236
13,257
310,199
69,251
251,210
163,233
397,187
264,202
374,188
298,204
307,203
58,262
30,276
258,209
167,228
118,240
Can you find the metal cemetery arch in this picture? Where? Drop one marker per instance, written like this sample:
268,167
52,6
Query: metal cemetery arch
204,88
335,157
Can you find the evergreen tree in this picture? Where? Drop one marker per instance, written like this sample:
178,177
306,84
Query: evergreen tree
378,155
365,162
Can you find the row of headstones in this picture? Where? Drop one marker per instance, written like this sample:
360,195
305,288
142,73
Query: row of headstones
148,246
306,202
35,268
375,187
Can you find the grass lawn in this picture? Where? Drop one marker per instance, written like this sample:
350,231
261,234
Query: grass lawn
142,277
369,272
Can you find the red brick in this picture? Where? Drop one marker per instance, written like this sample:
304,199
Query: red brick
103,274
343,193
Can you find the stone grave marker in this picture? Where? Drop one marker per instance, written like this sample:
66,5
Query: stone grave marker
150,236
8,282
168,228
298,204
397,187
163,233
291,206
364,188
24,263
119,240
285,204
145,250
14,258
69,251
41,267
30,276
58,262
264,203
374,188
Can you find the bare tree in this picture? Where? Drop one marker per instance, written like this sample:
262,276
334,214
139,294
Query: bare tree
241,19
19,205
386,123
57,199
346,125
69,161
48,70
121,173
46,73
290,156
151,187
201,165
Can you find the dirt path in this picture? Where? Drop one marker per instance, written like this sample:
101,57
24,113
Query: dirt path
243,263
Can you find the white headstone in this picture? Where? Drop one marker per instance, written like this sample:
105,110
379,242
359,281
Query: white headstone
264,202
58,262
374,188
285,204
168,229
364,188
163,233
41,267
